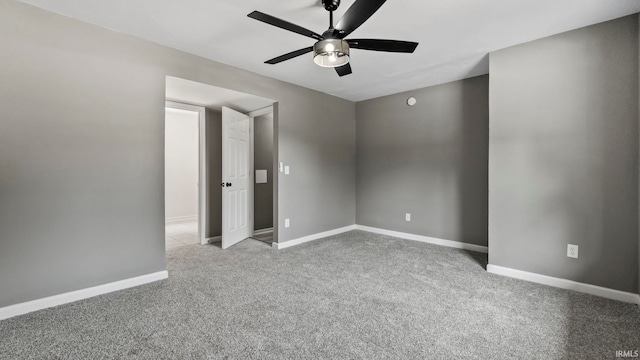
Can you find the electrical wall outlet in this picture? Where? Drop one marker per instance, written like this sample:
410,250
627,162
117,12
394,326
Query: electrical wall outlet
572,251
407,217
286,223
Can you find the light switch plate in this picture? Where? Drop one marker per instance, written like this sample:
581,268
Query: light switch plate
407,217
286,170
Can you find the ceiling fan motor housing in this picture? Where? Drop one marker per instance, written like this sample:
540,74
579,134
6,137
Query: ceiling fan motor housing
331,5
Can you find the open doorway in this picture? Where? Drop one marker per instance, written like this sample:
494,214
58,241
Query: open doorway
247,176
263,165
212,99
185,159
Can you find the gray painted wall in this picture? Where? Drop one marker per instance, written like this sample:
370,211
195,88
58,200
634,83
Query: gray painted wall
563,159
214,172
429,160
321,154
263,159
81,152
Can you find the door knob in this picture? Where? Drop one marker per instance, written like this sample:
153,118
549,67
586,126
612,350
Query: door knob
228,184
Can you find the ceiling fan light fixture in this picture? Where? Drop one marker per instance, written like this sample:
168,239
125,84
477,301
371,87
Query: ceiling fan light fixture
331,53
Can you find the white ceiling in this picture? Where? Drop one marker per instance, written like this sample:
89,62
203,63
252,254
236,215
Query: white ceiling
213,97
455,36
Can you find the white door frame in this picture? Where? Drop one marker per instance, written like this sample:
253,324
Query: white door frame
254,114
202,163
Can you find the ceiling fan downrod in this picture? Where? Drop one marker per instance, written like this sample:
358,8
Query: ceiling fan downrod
331,6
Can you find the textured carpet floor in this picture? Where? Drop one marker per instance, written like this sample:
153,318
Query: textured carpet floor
355,295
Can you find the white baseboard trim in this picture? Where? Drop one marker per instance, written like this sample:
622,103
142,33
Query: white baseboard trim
214,239
263,231
565,284
180,219
312,237
425,239
51,301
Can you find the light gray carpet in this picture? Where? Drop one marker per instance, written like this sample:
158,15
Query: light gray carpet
355,295
264,237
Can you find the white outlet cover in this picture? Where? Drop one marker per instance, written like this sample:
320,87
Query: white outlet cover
572,251
286,170
286,223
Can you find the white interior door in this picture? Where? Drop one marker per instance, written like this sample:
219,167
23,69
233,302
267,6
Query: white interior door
235,176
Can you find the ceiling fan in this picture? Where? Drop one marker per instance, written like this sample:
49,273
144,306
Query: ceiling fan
331,48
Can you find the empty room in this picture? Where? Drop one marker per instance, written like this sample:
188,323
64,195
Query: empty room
306,179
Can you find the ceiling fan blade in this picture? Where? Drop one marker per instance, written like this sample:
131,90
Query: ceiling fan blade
284,24
383,45
290,55
356,15
344,69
